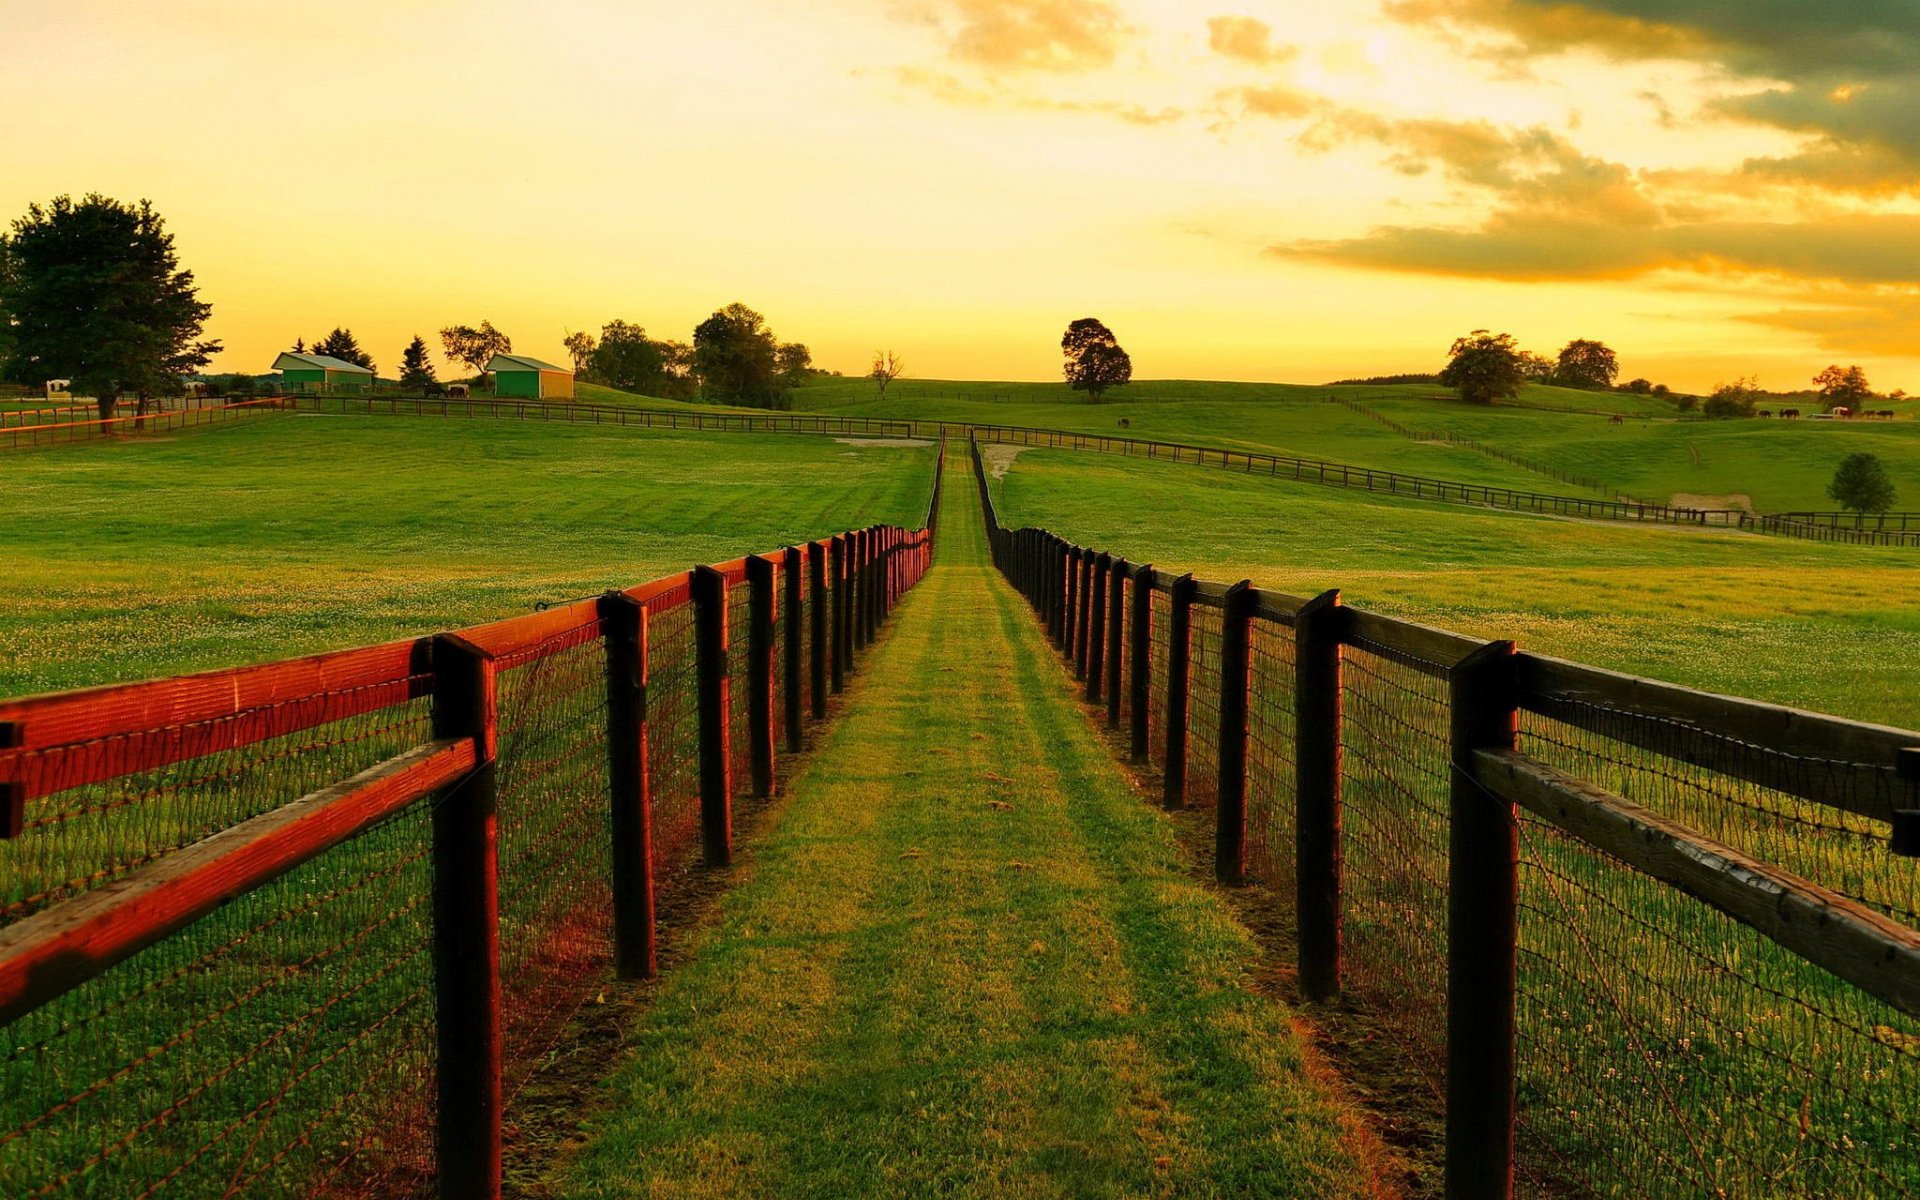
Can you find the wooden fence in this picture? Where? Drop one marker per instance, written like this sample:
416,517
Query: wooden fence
1626,937
48,427
312,926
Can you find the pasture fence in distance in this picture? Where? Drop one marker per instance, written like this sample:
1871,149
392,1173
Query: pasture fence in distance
1625,938
312,927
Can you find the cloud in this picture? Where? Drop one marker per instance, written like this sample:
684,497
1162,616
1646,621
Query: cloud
1278,102
1888,325
1025,35
1845,75
954,90
1247,40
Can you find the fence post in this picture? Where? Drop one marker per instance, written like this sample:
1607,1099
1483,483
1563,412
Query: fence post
1236,671
1070,601
1062,558
837,546
1179,651
1140,663
760,615
631,819
1482,875
1083,600
1317,630
716,760
793,664
466,927
1096,640
876,581
1116,618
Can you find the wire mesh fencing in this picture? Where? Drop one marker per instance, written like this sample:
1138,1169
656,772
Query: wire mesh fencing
228,960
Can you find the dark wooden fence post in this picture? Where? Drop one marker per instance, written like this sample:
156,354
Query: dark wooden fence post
1140,664
856,587
1179,652
842,654
1062,577
1101,567
794,662
1482,880
1071,601
1317,631
1116,619
760,616
1083,600
877,572
716,758
631,818
1236,680
466,927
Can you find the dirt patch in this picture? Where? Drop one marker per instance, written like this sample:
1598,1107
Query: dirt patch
999,459
1733,500
883,443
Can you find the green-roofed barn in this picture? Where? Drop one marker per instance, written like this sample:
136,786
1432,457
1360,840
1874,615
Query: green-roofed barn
321,373
529,378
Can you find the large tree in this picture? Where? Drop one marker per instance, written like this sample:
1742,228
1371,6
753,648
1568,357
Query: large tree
887,367
1095,361
92,291
580,347
626,358
1484,367
1736,399
342,345
794,362
1860,484
736,358
1843,387
1586,364
416,369
475,347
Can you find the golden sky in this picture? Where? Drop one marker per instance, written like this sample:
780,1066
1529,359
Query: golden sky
1294,191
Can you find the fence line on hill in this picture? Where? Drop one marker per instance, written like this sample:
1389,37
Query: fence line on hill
312,926
185,415
1633,939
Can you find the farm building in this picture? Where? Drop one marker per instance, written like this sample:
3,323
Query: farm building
529,378
320,373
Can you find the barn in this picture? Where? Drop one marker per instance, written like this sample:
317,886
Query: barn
529,378
321,373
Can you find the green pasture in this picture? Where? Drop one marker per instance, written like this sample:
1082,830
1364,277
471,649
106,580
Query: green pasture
262,539
1828,627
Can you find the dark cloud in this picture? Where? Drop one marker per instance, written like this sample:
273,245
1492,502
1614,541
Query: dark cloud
1025,35
1246,40
1844,74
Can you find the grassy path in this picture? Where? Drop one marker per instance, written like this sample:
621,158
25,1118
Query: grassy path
968,962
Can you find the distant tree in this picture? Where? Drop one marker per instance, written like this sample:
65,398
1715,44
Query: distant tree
340,344
1586,364
1843,387
416,369
299,345
475,347
628,359
736,358
887,367
93,292
1736,399
1484,368
1095,361
1538,368
1860,484
1638,387
580,347
794,362
1661,389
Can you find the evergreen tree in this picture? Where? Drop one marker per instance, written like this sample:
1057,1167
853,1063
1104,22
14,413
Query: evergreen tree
341,344
416,370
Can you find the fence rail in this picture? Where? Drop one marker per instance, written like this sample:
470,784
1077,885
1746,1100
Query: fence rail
31,431
1632,939
312,926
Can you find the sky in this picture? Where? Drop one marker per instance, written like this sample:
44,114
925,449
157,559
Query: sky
1292,190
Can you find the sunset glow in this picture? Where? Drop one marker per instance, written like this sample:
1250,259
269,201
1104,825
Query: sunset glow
1283,191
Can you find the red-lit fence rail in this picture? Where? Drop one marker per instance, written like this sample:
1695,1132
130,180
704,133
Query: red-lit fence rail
1629,939
78,428
311,927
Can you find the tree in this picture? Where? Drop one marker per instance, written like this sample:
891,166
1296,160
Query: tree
1638,387
475,347
580,346
628,359
1860,484
1843,387
1586,364
92,291
794,362
1095,361
1538,368
736,358
340,344
1734,399
1484,368
416,371
887,367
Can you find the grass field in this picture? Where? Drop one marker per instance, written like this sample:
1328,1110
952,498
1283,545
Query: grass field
1778,465
1834,628
286,536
